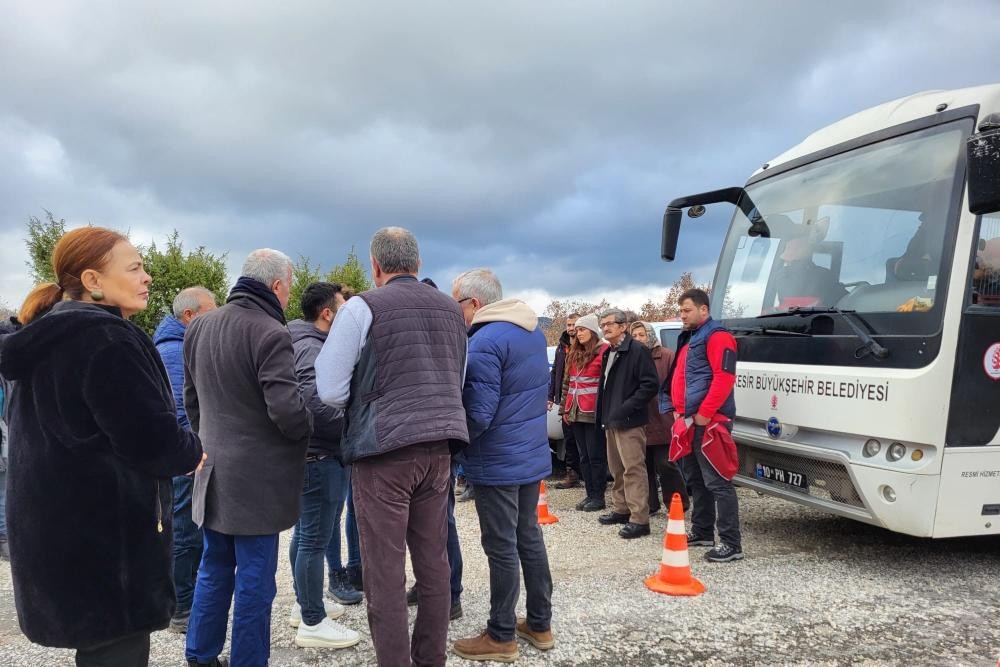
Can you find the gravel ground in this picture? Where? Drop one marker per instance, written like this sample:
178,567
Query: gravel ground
814,590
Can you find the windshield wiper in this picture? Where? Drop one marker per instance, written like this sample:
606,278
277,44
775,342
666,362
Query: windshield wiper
869,343
767,331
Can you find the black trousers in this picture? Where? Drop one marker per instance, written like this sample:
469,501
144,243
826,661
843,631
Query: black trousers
572,457
131,651
659,468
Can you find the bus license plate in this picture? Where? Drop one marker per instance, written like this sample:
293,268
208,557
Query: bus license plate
782,476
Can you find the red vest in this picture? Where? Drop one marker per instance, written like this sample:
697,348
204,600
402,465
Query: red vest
583,385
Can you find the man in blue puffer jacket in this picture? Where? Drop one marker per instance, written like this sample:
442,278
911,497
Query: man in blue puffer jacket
505,396
169,340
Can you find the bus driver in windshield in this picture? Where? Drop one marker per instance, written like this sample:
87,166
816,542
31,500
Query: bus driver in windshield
800,282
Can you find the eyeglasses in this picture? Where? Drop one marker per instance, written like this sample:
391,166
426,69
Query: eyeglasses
607,325
468,298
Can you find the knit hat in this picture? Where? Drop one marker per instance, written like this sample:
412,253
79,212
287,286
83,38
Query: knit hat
590,322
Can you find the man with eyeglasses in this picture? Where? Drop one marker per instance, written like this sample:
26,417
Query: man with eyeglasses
628,383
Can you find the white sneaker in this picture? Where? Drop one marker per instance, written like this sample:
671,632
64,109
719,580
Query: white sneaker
326,634
333,610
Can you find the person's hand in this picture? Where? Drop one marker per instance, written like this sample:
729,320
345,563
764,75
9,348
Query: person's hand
701,421
677,416
549,406
565,418
201,464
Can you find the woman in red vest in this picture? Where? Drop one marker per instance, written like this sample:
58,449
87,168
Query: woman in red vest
579,409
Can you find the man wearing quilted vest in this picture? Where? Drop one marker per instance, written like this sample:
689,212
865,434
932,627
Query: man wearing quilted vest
699,386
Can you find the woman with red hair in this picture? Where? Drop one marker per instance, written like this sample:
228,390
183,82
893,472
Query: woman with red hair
94,445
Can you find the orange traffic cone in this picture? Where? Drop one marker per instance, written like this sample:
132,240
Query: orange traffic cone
543,507
674,577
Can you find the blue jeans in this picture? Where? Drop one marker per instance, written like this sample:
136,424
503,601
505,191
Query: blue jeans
188,543
512,540
244,565
708,491
333,559
3,504
454,547
323,494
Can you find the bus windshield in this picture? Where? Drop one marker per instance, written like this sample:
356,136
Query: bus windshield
861,231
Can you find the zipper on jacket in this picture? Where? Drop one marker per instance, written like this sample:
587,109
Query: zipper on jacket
159,509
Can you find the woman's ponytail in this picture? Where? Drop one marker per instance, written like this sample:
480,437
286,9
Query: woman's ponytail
39,301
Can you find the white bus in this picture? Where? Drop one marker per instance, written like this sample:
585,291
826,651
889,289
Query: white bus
861,275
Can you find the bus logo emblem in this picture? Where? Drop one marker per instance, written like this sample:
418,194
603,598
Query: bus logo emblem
991,361
774,428
774,401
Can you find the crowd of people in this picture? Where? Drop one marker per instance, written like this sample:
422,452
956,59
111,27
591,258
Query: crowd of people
149,479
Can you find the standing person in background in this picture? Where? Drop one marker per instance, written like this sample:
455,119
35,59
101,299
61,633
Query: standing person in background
658,465
572,451
700,385
89,483
455,562
8,325
387,347
325,489
169,341
505,390
243,400
579,409
628,383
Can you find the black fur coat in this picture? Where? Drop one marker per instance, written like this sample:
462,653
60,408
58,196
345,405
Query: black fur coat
94,444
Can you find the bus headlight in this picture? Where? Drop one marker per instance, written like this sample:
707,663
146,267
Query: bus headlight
871,448
896,451
889,494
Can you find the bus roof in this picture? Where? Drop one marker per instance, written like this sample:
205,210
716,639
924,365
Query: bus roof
890,114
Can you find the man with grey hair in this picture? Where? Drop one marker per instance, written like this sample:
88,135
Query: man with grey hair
628,382
189,303
506,396
243,399
394,360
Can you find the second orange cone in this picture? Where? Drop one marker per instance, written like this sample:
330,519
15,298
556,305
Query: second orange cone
543,506
674,577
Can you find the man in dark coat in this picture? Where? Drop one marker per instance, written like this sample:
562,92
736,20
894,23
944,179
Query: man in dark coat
571,456
242,398
395,359
169,341
628,382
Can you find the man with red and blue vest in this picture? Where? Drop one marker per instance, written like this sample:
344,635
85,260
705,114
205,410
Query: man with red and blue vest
699,387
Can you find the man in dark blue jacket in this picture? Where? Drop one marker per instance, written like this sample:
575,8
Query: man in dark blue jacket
169,340
505,395
325,490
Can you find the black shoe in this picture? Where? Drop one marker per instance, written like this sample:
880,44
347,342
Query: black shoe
723,554
340,590
633,530
355,576
696,541
580,505
218,662
611,518
456,610
654,509
467,495
4,550
411,596
593,505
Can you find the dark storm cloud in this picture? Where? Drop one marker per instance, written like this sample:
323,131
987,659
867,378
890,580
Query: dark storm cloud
540,138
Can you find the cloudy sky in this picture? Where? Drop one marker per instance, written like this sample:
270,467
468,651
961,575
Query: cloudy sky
542,139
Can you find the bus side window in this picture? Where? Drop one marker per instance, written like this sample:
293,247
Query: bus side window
986,272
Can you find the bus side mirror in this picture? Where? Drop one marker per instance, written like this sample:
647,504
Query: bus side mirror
984,167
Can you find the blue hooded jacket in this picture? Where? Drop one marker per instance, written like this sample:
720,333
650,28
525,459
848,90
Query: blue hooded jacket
169,341
505,397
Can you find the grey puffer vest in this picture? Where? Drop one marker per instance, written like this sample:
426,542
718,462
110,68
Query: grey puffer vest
407,386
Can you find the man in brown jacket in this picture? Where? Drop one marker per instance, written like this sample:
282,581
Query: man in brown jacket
243,400
658,466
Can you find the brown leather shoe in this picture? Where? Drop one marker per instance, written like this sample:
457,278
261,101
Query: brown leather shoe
484,647
571,481
543,641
